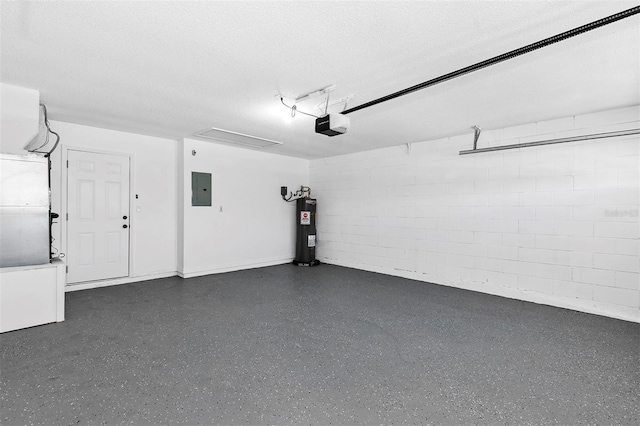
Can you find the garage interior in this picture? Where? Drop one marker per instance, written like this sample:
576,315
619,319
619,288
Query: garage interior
320,212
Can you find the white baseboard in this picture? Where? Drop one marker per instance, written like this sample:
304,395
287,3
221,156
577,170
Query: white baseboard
587,306
191,274
235,267
118,281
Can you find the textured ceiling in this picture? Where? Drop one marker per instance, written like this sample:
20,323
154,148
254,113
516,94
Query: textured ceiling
171,69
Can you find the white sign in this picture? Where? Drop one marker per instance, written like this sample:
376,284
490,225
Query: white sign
311,241
305,218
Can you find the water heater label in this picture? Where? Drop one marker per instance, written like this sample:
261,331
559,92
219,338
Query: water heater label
311,241
305,218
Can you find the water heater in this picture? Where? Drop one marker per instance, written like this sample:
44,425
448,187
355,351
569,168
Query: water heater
306,232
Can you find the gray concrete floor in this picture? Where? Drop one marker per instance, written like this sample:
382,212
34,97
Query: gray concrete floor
323,345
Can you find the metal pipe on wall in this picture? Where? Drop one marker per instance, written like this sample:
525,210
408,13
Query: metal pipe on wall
554,141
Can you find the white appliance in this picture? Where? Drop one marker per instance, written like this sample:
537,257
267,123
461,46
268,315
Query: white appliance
24,210
31,288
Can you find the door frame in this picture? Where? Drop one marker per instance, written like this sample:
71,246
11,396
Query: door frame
64,196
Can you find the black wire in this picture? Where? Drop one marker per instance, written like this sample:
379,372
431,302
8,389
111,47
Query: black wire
298,195
297,110
46,141
46,122
290,199
54,145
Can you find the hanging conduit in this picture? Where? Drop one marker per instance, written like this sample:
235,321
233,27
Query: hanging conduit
501,58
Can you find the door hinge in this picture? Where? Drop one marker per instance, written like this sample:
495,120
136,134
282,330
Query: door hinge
67,164
67,216
67,268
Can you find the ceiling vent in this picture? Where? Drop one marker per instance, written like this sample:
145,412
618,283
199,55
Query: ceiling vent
235,138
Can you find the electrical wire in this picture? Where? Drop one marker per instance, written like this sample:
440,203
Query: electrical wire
290,199
56,254
303,192
55,145
295,109
45,122
46,140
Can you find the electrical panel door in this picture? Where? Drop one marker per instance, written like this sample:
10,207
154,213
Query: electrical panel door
200,189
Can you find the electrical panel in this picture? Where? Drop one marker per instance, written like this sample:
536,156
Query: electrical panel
200,189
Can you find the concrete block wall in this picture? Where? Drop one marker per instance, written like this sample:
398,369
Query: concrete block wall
555,224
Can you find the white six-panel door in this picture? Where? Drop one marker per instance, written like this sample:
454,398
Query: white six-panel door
98,222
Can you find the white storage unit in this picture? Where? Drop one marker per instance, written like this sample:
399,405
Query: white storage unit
31,295
31,287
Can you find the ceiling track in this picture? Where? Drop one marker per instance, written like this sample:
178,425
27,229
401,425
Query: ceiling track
552,141
501,58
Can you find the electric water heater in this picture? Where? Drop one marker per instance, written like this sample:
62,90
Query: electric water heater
306,232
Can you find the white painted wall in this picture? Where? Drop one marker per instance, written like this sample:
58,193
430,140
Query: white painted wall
255,227
153,178
554,224
19,115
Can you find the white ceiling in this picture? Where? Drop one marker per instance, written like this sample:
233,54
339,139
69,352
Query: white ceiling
171,69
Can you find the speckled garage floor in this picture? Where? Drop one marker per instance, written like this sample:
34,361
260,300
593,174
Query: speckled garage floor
324,345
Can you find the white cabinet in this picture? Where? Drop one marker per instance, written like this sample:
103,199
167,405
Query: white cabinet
31,295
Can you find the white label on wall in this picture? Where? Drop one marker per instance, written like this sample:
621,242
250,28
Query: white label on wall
305,218
311,241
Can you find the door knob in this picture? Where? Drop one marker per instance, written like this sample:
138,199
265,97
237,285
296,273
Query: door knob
124,217
125,226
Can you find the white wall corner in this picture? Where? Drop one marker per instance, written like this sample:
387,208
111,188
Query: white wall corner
248,224
180,204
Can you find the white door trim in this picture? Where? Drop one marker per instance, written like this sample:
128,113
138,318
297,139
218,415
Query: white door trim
64,198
